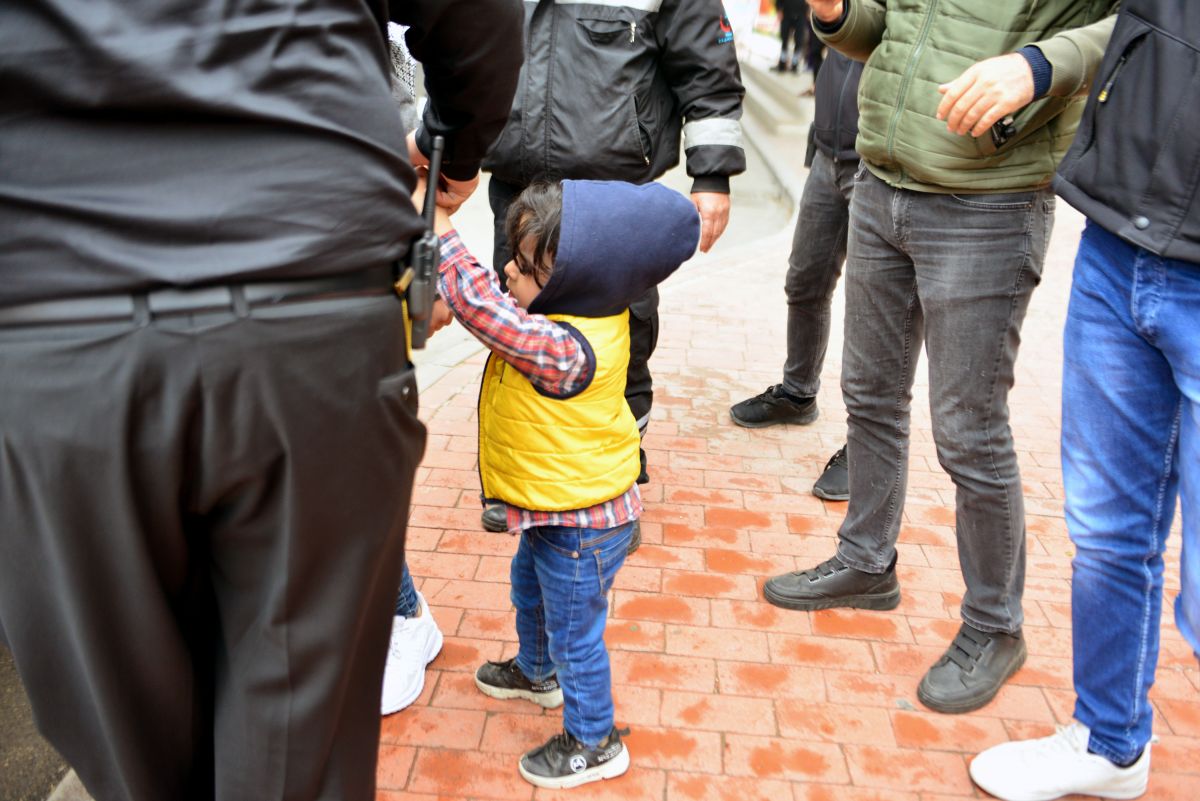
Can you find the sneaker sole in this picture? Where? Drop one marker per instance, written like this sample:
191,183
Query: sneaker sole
877,602
830,496
545,700
970,705
803,420
419,687
999,791
608,770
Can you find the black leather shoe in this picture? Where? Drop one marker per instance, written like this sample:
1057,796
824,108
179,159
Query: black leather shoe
831,585
495,518
834,483
972,670
771,408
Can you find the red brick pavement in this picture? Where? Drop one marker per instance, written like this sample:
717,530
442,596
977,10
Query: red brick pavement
730,698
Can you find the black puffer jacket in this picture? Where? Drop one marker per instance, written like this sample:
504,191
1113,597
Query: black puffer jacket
1134,167
606,86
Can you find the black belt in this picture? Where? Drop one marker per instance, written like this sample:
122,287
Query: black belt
166,302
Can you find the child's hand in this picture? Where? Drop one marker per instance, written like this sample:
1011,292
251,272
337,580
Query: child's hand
450,193
440,317
441,217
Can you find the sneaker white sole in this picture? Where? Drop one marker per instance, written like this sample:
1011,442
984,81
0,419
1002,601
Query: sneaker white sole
394,705
607,770
545,700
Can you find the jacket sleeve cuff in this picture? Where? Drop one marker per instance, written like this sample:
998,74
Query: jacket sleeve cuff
1066,66
711,183
836,25
461,171
1042,71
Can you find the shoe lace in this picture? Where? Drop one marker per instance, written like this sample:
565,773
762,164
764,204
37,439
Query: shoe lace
565,741
838,459
773,391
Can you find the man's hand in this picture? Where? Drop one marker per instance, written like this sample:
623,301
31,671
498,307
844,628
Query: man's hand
714,216
439,317
451,193
826,10
986,93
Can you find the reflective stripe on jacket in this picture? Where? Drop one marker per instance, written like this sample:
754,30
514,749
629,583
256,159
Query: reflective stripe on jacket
607,85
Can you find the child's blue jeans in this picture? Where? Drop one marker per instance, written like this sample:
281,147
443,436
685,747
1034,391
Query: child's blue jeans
560,582
1130,444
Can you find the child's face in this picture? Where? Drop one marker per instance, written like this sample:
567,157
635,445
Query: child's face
523,285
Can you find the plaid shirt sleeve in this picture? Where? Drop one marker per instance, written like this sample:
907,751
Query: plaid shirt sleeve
542,351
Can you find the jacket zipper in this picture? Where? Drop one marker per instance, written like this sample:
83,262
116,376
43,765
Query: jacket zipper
837,117
908,73
1108,85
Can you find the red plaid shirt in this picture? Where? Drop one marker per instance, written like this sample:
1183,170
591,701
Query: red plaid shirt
540,350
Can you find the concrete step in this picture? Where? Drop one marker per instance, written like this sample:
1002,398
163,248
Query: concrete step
777,112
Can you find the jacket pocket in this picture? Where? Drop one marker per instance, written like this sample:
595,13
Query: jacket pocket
1139,148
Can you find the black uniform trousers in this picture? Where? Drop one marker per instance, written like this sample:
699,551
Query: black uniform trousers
202,526
643,313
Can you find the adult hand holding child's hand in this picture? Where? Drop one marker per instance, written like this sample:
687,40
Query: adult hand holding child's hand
451,193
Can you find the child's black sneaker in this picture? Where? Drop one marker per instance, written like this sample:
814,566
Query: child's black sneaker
504,680
564,762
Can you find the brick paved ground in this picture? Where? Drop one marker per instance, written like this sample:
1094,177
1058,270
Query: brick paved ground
728,697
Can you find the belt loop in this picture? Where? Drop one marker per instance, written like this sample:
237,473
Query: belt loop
241,307
141,309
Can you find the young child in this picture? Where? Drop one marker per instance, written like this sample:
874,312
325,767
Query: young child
557,442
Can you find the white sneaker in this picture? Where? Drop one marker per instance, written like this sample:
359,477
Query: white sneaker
1054,766
415,642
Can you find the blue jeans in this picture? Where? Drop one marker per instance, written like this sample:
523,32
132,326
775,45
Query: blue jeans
406,601
560,582
1130,444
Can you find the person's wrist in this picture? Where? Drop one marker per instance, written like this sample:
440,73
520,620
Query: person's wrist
1040,69
833,16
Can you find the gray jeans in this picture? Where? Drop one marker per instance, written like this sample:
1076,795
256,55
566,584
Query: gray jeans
818,250
955,272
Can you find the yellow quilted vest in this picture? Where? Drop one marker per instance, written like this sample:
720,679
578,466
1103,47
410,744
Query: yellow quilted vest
555,454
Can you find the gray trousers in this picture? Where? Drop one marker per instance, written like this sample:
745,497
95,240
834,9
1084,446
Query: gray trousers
954,273
201,534
818,250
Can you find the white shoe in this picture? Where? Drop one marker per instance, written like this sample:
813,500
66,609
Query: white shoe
415,642
1054,766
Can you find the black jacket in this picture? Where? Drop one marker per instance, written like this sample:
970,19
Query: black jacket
604,90
151,143
1134,167
835,119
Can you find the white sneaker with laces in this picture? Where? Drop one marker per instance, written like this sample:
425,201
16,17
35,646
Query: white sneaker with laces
1054,766
415,642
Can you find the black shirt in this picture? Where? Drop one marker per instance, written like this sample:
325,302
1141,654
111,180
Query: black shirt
149,143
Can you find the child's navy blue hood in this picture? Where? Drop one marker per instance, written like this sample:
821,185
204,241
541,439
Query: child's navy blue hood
616,241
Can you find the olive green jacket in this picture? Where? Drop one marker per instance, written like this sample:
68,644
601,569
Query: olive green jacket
912,46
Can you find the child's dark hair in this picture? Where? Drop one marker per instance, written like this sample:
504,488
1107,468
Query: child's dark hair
537,213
